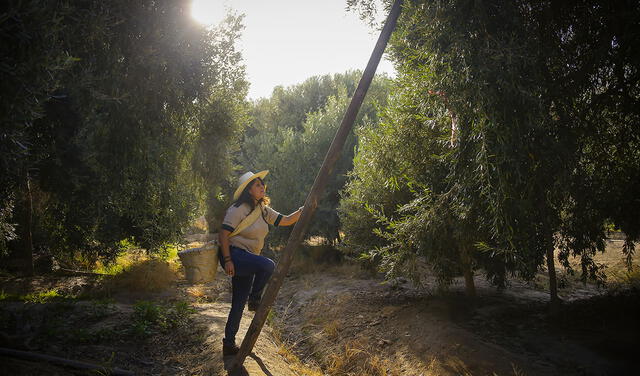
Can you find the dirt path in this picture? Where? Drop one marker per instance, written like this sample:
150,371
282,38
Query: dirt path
114,332
264,360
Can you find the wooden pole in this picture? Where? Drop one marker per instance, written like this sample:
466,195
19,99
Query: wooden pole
311,203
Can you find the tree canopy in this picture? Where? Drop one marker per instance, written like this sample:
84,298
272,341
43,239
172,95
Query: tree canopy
521,120
107,108
509,138
290,134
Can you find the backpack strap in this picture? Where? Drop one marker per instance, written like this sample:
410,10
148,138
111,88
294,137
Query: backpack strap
248,220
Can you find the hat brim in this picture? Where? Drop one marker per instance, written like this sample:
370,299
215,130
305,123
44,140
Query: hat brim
242,186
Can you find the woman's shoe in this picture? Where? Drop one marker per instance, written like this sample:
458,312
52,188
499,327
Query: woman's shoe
230,350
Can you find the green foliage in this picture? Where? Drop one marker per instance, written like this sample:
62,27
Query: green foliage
387,169
149,317
119,264
30,64
168,252
291,134
510,124
222,120
402,208
42,297
4,295
82,335
115,115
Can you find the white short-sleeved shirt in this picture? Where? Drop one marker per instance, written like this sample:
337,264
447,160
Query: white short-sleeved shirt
252,237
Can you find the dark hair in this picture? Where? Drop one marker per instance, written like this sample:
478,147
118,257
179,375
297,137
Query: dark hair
245,196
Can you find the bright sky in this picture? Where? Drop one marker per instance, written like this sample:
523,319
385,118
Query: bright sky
288,41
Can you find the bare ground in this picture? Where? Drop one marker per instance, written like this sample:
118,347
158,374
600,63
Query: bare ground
349,325
413,333
331,320
102,330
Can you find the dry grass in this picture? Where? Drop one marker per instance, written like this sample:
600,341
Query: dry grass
277,324
331,329
623,277
121,263
612,257
457,366
197,292
145,275
448,366
352,270
319,311
355,360
193,350
616,271
296,364
200,294
340,356
310,260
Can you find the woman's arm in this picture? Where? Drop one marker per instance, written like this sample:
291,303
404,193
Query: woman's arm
223,236
291,218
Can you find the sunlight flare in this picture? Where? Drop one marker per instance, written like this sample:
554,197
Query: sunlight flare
207,12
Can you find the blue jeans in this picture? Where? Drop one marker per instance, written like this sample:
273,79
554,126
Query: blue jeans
251,275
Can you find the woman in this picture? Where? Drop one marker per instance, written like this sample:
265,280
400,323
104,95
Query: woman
240,253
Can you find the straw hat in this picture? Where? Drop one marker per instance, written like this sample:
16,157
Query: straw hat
245,179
